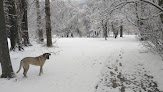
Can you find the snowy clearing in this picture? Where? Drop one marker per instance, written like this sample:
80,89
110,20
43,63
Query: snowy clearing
89,65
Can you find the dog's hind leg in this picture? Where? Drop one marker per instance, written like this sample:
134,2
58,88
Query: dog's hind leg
26,68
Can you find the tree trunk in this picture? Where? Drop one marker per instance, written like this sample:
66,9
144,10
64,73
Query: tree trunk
161,4
104,25
138,21
6,13
48,23
7,71
78,31
25,23
19,24
12,22
39,29
121,31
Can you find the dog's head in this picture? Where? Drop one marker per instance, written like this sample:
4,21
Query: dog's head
46,55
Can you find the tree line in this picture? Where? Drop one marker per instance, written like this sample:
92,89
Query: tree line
146,16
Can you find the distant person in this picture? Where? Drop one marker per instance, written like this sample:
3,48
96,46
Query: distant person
115,33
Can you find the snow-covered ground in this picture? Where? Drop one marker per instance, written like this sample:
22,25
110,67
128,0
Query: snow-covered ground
89,65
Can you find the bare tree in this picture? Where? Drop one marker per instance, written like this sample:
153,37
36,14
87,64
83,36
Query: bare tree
23,4
39,29
7,71
19,24
12,22
104,26
6,10
148,22
48,23
121,31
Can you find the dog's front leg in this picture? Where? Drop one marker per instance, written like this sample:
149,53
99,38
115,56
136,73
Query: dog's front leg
41,71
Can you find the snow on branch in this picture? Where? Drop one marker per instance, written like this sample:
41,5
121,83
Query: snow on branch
149,2
136,1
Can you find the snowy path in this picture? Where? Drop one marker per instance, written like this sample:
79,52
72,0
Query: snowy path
83,64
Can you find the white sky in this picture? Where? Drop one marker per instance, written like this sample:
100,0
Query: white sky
80,1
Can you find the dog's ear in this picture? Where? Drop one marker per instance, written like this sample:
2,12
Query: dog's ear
49,54
44,54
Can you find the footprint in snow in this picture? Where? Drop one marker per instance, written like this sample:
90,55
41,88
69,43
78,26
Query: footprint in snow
120,64
117,60
120,55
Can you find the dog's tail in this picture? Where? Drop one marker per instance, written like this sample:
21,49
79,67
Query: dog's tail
20,66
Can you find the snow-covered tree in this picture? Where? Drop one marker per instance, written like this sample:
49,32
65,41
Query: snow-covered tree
48,23
64,17
24,24
148,21
7,70
39,22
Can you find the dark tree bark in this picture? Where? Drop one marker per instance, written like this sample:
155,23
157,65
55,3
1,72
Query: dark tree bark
104,25
25,23
7,71
13,32
78,31
161,4
6,10
48,23
19,24
121,31
39,29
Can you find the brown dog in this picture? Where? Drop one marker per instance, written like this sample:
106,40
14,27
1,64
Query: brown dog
38,61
